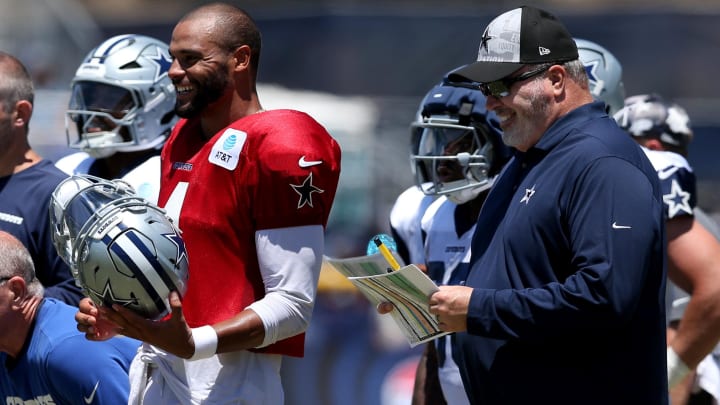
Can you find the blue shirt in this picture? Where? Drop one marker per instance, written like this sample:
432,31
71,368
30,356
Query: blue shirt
60,366
24,213
569,274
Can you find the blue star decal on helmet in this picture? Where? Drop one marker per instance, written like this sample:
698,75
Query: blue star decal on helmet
180,244
678,200
596,85
163,62
108,298
305,191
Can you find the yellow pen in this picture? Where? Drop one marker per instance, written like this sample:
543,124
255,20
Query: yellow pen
387,254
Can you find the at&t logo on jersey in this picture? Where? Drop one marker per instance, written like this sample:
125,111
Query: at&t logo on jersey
226,151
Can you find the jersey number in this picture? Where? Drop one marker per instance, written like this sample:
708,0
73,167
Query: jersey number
175,202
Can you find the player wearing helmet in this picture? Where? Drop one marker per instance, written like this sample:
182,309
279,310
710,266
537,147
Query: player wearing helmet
251,191
121,111
457,154
407,211
656,124
664,131
27,181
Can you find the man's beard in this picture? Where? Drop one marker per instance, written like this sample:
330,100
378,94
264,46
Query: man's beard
522,134
207,92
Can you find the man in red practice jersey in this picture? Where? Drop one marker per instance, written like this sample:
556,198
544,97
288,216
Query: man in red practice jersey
252,191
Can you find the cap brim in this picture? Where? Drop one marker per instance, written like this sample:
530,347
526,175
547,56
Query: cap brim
483,72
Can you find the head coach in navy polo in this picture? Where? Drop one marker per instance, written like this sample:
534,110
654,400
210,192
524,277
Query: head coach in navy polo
564,303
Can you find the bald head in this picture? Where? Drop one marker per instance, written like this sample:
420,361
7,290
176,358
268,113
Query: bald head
15,260
15,82
228,27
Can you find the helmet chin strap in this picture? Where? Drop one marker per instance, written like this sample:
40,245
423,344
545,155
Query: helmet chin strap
93,143
467,194
100,153
462,196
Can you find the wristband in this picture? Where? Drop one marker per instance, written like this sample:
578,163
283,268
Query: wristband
676,368
206,341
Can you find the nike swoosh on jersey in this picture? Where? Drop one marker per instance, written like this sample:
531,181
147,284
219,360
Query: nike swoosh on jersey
89,399
308,163
667,172
616,226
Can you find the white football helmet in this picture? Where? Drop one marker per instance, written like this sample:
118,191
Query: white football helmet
651,116
121,248
122,98
456,146
604,73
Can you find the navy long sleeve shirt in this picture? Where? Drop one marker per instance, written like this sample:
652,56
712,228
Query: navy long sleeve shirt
569,274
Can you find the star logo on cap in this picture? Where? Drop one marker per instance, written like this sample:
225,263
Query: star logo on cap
484,40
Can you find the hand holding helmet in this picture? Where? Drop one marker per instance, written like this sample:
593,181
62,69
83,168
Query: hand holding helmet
121,248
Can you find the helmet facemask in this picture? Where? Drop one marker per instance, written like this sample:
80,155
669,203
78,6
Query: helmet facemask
452,159
122,98
103,116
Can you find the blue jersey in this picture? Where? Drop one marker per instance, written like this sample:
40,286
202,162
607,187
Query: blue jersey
677,181
60,366
569,274
24,205
678,184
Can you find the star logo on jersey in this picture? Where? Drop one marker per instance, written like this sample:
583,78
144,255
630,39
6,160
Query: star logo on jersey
162,62
179,244
677,200
107,296
305,191
529,192
596,84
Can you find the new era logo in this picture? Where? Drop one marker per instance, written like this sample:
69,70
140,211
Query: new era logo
543,51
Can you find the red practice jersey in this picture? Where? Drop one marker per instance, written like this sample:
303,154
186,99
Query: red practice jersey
268,170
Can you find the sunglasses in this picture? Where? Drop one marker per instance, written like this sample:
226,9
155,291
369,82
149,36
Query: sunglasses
501,87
